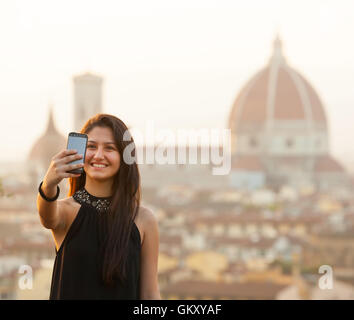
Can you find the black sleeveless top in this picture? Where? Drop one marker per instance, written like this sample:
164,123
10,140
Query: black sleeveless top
77,263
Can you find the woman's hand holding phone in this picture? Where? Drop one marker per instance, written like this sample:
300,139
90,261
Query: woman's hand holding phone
59,167
49,210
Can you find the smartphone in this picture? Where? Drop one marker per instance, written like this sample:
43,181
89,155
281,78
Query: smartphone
77,141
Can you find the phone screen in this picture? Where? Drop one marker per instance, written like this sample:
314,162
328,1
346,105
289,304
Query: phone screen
78,143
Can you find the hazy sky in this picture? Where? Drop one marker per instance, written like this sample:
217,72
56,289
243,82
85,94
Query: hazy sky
179,63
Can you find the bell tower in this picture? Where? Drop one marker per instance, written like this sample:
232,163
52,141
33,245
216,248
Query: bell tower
87,98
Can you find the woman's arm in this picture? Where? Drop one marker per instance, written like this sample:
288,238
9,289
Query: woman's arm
149,286
50,211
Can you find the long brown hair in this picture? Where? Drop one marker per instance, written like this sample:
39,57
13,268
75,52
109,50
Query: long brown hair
116,227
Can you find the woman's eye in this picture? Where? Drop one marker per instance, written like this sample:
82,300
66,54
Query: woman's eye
92,146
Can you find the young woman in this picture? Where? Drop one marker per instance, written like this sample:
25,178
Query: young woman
106,243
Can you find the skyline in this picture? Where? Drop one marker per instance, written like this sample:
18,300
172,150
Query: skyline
190,58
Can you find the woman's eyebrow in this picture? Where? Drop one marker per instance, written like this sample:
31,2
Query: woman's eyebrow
109,142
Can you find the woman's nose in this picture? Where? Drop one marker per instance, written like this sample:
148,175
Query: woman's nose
99,153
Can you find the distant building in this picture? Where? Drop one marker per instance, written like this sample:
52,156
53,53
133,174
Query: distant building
87,98
47,145
308,289
198,176
280,132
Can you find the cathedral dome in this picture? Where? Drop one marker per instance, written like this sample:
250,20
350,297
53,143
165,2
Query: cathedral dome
279,132
277,94
48,145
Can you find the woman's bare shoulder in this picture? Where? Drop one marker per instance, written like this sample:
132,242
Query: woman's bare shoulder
145,214
144,219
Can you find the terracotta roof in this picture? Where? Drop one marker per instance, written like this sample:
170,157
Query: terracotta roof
328,164
249,290
250,104
287,103
247,163
228,219
262,243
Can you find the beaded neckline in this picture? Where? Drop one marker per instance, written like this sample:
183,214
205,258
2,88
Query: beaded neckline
100,203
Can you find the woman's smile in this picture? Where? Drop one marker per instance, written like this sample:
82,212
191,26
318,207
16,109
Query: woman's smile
99,165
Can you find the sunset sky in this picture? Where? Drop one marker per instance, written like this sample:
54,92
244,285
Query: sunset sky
178,63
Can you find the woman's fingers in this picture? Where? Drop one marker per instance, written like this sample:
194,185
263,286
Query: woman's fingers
71,175
70,167
64,153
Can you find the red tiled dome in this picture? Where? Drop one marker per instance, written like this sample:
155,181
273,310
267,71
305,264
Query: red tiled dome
276,93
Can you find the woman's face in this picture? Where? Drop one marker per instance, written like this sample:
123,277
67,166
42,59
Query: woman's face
102,159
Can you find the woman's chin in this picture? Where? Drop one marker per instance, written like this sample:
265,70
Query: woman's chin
98,176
